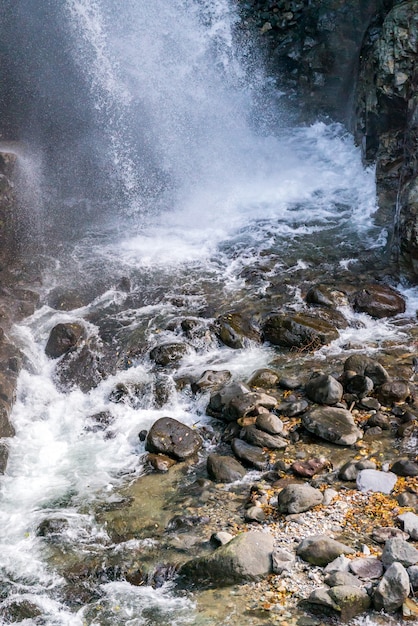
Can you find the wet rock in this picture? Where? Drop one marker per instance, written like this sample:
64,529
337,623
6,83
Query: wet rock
376,481
82,368
264,378
63,338
180,523
405,467
20,610
394,391
367,567
257,437
298,498
332,424
236,400
298,330
321,549
399,550
383,533
342,578
379,420
282,561
410,524
309,468
321,295
4,456
232,329
379,301
211,379
365,366
100,421
52,527
392,590
168,436
224,469
250,455
324,389
168,353
270,423
160,462
247,557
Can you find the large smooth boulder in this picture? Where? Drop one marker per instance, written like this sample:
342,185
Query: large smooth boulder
365,366
298,330
63,338
247,557
171,437
392,590
332,424
321,549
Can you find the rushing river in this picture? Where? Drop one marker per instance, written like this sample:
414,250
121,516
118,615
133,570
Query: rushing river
183,191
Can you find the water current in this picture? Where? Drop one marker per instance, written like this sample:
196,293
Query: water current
199,196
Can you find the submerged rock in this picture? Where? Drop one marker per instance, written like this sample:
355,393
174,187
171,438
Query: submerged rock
247,557
171,437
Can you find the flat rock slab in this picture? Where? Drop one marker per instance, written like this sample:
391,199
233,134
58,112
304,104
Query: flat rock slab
321,549
376,481
332,424
247,557
171,437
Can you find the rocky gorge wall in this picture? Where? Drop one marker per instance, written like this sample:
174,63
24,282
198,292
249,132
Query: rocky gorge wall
356,62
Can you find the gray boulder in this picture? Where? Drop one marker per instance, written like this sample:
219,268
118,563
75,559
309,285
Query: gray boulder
375,481
342,578
171,437
224,469
392,590
399,550
324,389
367,568
332,424
257,437
351,600
251,455
298,498
270,423
282,561
247,557
410,524
321,549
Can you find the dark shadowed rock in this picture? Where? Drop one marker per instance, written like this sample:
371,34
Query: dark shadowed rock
379,301
321,549
405,467
168,436
392,590
365,366
298,330
332,424
160,462
233,329
224,469
62,338
394,391
237,400
298,498
324,389
247,557
250,455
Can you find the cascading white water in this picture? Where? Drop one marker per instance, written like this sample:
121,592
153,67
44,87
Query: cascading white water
174,119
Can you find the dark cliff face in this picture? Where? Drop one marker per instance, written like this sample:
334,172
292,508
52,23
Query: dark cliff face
313,48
